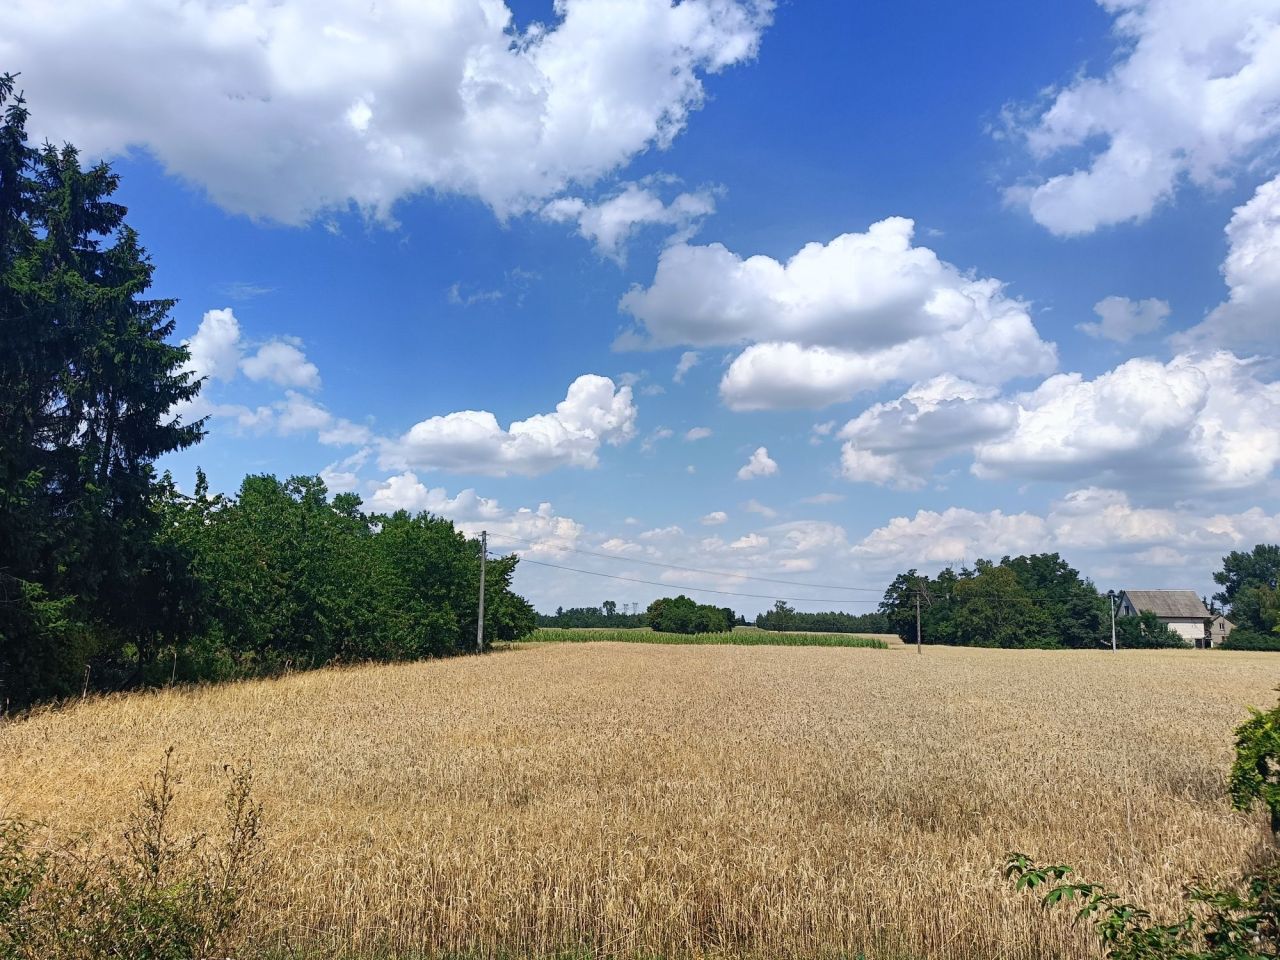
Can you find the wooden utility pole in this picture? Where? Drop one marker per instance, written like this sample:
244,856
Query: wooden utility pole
918,648
484,555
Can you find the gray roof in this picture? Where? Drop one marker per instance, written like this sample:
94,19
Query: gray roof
1181,604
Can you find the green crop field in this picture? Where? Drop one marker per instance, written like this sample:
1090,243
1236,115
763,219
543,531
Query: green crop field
741,637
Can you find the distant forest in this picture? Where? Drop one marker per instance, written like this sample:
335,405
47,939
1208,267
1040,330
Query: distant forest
607,615
784,617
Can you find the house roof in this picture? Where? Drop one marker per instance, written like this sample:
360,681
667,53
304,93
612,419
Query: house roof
1182,604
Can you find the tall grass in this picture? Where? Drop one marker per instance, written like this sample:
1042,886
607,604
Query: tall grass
681,802
152,895
735,637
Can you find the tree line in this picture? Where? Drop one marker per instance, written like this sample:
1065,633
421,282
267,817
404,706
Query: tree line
785,617
1028,601
1041,601
109,576
666,614
605,615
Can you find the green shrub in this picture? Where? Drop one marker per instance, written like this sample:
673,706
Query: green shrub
1239,921
1242,638
161,898
1147,632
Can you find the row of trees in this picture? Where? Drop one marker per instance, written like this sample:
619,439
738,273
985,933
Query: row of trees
282,575
605,615
1041,601
1028,601
1250,595
109,576
786,617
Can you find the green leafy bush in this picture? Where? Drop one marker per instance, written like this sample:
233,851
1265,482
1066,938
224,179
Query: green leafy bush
1239,921
1242,638
1147,632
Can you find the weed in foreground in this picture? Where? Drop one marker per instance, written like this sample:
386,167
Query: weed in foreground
161,897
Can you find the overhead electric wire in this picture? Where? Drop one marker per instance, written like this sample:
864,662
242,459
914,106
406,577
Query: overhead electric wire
950,598
710,573
658,583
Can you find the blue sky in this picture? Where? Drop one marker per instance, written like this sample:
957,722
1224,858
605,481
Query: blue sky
872,232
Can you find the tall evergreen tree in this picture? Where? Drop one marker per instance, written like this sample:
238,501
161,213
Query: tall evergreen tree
88,377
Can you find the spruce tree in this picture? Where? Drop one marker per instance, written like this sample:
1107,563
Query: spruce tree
88,380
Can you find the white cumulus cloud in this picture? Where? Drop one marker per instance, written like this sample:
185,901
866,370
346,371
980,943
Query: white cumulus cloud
1193,95
760,464
1122,319
610,223
285,108
284,364
526,530
1194,423
688,360
838,318
215,348
898,443
593,412
1250,317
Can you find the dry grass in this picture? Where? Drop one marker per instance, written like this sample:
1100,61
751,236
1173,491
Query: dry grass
687,801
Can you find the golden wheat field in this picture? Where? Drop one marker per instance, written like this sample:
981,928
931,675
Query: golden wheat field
665,801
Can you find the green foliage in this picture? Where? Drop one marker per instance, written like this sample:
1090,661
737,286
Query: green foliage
1243,638
785,617
1235,923
606,615
289,578
108,576
1147,631
1255,774
682,615
1251,592
1240,570
746,637
1030,601
88,376
1240,921
163,898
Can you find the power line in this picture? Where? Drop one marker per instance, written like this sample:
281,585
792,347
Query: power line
947,598
712,573
670,586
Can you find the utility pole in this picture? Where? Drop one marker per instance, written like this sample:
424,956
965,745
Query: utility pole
1111,602
484,555
918,648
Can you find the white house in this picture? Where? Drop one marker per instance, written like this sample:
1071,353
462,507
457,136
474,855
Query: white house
1180,610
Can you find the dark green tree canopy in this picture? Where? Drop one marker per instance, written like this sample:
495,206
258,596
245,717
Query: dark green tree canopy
1038,600
88,377
109,576
682,615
